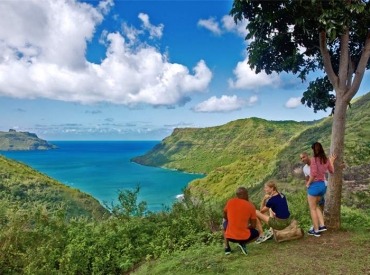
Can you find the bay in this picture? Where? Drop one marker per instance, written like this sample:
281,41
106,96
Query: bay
102,168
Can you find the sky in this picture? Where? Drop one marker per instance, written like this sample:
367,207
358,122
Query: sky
133,70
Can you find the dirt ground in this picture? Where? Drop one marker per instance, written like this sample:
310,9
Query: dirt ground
336,252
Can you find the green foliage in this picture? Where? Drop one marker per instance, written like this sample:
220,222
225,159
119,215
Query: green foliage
278,30
355,219
241,152
48,228
318,95
36,241
257,150
128,205
40,242
25,188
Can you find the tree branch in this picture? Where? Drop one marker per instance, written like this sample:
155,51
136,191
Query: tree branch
350,72
343,62
360,71
327,61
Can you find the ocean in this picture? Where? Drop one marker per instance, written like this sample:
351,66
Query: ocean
102,168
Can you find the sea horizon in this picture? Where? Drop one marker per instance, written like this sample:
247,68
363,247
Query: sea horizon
102,168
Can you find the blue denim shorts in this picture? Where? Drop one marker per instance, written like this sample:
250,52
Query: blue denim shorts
317,189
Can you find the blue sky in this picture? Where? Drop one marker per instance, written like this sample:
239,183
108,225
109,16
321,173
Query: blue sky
133,70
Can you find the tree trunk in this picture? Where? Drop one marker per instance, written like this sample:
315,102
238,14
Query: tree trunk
334,193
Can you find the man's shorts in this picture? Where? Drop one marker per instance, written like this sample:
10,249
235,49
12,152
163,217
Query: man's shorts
317,189
278,224
254,235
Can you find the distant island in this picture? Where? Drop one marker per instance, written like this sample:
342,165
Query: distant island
16,141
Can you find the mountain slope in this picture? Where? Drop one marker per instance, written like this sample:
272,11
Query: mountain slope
250,151
237,153
14,140
21,187
356,175
357,138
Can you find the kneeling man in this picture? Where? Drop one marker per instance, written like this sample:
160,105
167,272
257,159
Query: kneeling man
240,221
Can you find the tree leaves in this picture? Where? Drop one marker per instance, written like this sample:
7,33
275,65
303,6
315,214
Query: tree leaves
285,37
319,95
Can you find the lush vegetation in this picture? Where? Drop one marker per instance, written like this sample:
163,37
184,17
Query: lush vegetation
334,40
35,241
186,239
250,151
241,152
48,228
23,188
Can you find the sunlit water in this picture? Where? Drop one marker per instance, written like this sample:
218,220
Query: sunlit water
101,168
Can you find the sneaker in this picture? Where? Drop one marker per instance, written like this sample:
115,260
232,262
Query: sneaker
243,248
269,234
322,228
313,233
227,251
261,239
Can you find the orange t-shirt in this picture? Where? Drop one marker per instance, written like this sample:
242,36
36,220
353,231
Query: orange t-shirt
239,212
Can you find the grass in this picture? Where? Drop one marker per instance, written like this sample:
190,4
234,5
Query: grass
339,252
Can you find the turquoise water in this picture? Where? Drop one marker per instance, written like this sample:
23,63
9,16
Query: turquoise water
101,168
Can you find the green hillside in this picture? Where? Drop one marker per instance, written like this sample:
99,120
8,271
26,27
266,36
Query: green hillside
250,151
21,187
356,175
13,140
357,139
186,239
202,150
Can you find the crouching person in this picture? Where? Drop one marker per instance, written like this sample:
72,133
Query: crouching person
274,212
239,221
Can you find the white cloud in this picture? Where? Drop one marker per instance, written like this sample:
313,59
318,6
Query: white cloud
229,25
105,6
47,31
154,31
252,100
43,56
210,24
293,102
131,33
223,104
246,78
226,24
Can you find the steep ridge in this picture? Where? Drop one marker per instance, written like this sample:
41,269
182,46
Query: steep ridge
250,151
239,152
22,187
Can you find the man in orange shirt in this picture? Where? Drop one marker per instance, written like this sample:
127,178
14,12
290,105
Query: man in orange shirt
240,221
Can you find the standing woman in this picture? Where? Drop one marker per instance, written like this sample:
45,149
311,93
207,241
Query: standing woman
316,188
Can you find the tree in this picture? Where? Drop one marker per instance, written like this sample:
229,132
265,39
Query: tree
128,204
302,36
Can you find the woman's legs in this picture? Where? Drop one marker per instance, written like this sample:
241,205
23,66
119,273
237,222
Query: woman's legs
262,216
319,213
312,203
259,227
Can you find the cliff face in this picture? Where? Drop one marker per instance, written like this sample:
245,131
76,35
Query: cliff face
15,141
